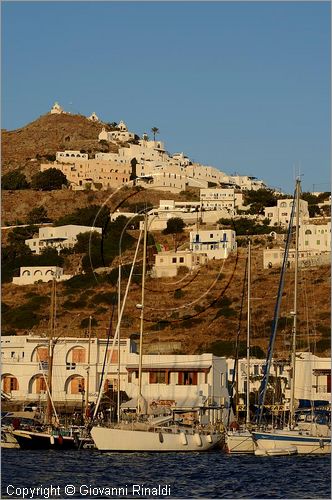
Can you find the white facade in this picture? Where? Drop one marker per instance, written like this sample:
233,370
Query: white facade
312,377
280,215
246,182
93,117
256,371
58,237
56,109
216,243
214,199
70,156
33,274
314,248
315,237
177,380
168,263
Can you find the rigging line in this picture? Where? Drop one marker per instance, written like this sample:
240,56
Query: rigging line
235,368
274,326
107,344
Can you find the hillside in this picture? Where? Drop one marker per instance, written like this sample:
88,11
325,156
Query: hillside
196,309
25,147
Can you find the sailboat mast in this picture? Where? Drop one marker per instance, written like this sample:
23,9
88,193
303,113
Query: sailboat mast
296,265
88,370
142,313
49,409
248,334
119,314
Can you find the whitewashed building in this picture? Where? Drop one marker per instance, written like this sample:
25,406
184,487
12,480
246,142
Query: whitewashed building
168,379
119,134
58,237
215,243
167,264
56,109
312,377
281,214
314,248
34,274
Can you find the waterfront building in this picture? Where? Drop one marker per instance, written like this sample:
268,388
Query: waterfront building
312,382
58,237
168,379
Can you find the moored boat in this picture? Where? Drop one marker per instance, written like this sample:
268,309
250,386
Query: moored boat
33,440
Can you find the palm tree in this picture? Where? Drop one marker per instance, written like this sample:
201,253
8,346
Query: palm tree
155,131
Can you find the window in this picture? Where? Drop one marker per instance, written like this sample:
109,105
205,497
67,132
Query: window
211,235
173,260
318,242
181,259
187,378
157,377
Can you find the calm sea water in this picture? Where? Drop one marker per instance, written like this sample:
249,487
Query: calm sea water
91,474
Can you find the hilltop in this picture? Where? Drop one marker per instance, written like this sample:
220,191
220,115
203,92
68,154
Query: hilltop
41,139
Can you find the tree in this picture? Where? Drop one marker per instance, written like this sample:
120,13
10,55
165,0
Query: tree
14,180
49,180
155,131
175,225
37,215
93,215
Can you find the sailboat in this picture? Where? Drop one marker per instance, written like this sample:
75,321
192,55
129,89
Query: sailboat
148,433
48,435
240,440
295,438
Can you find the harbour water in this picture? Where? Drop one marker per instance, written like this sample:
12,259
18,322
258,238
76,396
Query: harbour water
91,474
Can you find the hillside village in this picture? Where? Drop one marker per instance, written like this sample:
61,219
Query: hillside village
76,195
93,182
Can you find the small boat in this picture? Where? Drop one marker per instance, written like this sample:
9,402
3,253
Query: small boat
274,452
7,439
36,440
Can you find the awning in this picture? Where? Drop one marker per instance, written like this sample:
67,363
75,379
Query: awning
170,368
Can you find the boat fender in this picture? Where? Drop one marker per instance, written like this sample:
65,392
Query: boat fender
209,438
52,439
198,439
321,443
60,440
161,437
183,438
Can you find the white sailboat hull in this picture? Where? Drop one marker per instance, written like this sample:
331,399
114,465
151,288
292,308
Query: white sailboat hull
115,439
239,442
305,444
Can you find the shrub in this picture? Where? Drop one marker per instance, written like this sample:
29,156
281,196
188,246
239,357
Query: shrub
105,298
178,294
322,345
49,180
14,180
86,322
174,225
37,215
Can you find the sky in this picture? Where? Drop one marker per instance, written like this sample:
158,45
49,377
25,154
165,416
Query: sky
241,86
